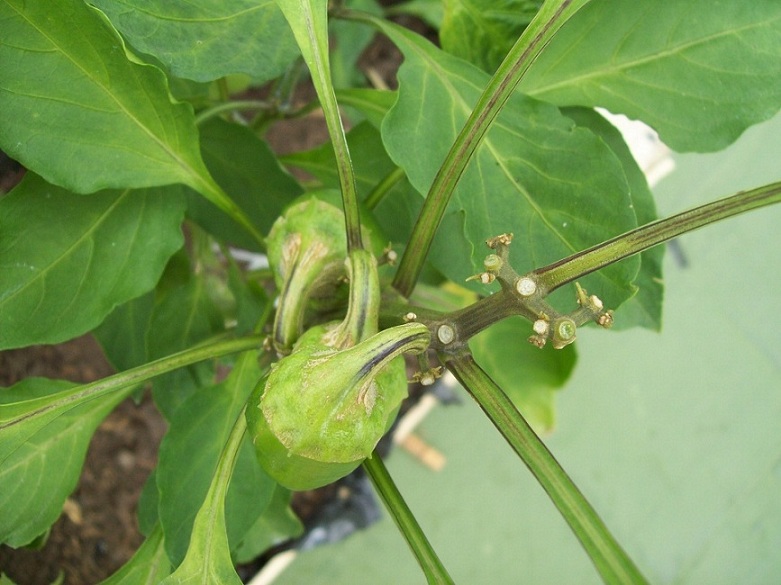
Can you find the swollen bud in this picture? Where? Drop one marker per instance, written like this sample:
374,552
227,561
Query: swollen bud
306,249
322,410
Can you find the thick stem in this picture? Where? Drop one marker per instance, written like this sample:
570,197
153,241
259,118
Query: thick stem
573,267
309,21
613,564
550,18
405,520
20,420
363,307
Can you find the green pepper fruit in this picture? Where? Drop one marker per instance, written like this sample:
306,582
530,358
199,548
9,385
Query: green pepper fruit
323,408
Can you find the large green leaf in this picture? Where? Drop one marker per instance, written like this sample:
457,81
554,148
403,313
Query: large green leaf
558,188
149,563
700,73
249,172
527,374
208,558
122,335
182,318
81,113
277,524
645,308
190,453
37,477
483,31
207,39
67,260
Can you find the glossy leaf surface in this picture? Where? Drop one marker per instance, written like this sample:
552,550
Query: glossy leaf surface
183,482
37,477
204,40
249,172
59,279
698,73
557,188
482,31
80,112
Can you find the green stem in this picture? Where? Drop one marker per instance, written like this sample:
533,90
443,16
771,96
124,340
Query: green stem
18,412
382,188
229,106
309,22
550,18
573,267
404,518
208,187
612,563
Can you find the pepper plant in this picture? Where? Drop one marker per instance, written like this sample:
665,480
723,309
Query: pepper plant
487,173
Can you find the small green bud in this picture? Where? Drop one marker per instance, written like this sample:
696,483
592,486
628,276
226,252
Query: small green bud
306,249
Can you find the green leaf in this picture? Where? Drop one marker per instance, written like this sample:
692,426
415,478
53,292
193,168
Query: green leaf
251,299
431,12
190,454
42,460
205,40
528,375
556,187
699,73
276,524
208,558
148,565
371,103
644,309
370,160
249,172
68,260
483,31
82,114
184,316
122,335
352,41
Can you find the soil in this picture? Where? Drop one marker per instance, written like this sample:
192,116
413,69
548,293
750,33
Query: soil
98,530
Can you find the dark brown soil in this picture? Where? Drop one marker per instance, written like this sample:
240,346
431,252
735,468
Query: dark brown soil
98,531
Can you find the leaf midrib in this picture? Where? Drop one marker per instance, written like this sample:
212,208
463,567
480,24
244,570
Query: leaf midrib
615,69
81,240
488,144
156,139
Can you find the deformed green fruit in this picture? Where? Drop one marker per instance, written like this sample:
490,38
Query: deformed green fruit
306,249
322,409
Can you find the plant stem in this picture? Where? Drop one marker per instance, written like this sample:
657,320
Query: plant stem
209,188
383,187
17,412
573,267
394,502
230,106
309,21
613,564
551,16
